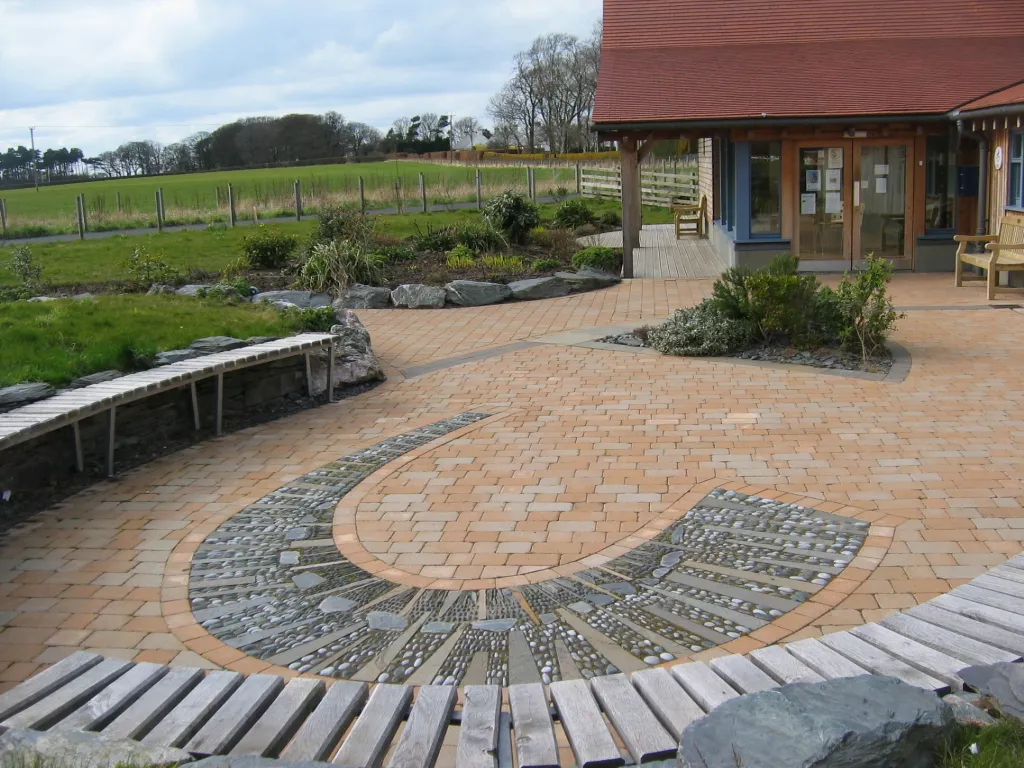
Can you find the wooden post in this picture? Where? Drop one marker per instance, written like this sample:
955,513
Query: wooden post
111,439
423,193
79,456
195,407
118,194
220,404
298,200
85,217
231,205
579,180
163,208
216,193
3,216
630,176
159,217
479,189
78,216
330,373
362,196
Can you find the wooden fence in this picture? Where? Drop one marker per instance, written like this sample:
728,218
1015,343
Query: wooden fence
659,189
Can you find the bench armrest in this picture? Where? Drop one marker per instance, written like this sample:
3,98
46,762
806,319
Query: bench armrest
974,238
1005,247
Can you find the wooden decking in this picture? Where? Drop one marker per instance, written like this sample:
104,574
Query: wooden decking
661,255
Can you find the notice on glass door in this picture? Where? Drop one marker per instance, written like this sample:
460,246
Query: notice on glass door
881,185
835,157
808,204
833,180
833,202
814,181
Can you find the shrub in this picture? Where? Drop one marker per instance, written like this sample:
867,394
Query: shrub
461,257
504,263
772,301
143,269
572,214
560,243
337,223
24,267
268,248
701,331
599,257
479,237
394,253
866,311
587,230
334,266
545,265
610,219
314,319
436,239
512,214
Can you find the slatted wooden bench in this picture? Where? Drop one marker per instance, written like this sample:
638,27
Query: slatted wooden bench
1005,253
606,721
69,408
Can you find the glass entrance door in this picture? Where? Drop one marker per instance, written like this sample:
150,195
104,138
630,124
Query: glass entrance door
880,204
824,237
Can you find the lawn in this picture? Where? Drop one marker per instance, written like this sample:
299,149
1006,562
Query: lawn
202,197
998,746
94,262
58,341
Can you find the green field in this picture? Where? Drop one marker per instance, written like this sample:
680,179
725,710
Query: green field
202,197
92,262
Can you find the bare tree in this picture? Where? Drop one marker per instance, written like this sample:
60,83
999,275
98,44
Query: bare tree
466,128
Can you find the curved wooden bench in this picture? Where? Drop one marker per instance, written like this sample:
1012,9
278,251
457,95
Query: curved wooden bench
601,720
69,408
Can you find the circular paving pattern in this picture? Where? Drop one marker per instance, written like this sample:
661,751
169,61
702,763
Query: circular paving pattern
272,582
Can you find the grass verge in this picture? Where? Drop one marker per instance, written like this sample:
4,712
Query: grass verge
998,746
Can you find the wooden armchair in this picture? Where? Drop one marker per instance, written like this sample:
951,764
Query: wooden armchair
691,214
1005,253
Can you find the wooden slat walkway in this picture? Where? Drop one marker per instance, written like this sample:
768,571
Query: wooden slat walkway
607,721
662,256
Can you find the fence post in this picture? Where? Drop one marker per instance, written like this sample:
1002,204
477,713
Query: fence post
3,215
163,208
479,189
579,180
362,196
216,192
423,192
159,216
398,193
85,217
118,201
231,205
529,182
298,200
78,215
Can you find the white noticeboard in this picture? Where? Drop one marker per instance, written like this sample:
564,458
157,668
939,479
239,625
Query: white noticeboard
833,180
808,204
881,170
833,202
881,185
835,157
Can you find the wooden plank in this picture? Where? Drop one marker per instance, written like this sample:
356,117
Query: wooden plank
368,741
783,666
534,733
990,614
998,584
880,662
151,707
941,639
421,739
282,719
985,596
706,688
478,731
589,737
918,655
321,731
236,716
1008,572
186,718
824,660
639,728
742,675
47,711
114,699
46,682
667,699
971,625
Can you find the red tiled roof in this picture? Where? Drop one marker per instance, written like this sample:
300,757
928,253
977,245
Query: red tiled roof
692,60
1007,96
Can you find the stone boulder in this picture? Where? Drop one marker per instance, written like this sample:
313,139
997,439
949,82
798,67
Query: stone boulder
859,721
80,749
157,289
589,279
418,297
364,297
471,293
23,394
195,290
301,299
211,345
38,299
95,378
253,340
175,356
354,360
539,288
1002,684
80,296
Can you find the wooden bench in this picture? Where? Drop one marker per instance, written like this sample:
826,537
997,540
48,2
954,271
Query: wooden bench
696,215
69,408
604,721
1005,253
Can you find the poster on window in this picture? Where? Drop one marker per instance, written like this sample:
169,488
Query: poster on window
808,204
814,181
833,180
835,157
881,185
833,202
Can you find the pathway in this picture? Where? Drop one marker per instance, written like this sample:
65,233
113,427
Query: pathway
661,255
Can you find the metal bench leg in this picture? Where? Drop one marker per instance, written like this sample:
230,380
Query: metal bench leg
195,406
330,373
220,404
79,456
309,375
111,437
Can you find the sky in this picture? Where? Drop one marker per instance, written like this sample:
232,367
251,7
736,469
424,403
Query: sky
95,73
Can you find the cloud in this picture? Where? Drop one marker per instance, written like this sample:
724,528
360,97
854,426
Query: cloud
96,74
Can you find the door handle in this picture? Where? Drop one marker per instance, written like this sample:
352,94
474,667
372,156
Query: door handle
856,194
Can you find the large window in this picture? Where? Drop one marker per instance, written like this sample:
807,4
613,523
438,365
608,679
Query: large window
1015,197
940,184
765,188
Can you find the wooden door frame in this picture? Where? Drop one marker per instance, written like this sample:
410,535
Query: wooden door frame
848,147
908,201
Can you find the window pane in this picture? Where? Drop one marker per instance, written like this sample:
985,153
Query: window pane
1017,145
940,184
1016,193
765,188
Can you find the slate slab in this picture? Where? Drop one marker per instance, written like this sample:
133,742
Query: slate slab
418,296
21,394
301,299
335,604
539,288
1003,683
364,297
966,713
79,749
211,345
589,279
860,721
473,293
390,622
175,356
95,378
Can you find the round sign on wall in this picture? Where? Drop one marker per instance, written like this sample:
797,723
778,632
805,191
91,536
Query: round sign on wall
999,158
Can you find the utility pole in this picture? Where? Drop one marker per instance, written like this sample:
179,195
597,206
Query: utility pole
35,167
